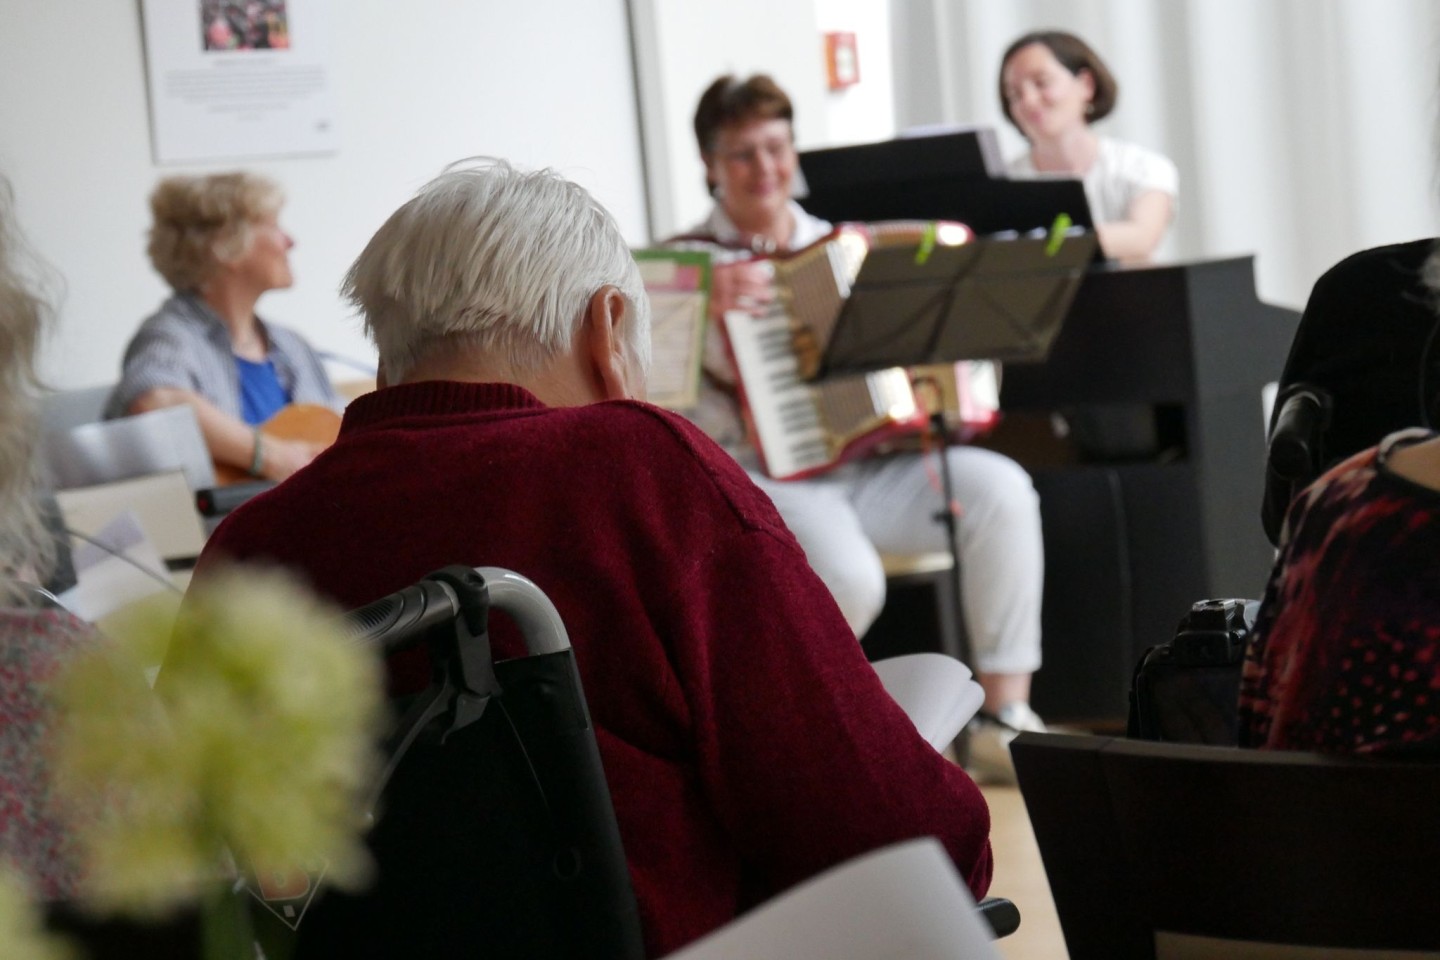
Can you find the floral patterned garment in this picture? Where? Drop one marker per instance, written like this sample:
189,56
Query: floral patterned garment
1345,656
33,646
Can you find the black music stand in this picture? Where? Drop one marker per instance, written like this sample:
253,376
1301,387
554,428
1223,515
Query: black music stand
983,300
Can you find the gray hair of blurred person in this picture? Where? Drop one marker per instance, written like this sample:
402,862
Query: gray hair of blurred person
23,314
500,258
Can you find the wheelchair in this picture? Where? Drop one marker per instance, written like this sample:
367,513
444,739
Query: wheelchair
495,833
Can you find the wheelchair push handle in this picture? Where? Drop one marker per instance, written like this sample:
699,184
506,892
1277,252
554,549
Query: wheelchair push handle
1294,452
396,620
528,606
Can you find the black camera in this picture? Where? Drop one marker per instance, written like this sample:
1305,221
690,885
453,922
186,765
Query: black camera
1188,690
1214,632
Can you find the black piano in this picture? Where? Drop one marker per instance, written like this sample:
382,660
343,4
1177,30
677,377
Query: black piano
1154,502
1138,527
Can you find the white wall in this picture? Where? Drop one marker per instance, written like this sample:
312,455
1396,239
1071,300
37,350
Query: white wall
419,83
1302,128
681,46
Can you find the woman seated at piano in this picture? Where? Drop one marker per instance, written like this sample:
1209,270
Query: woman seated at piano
846,517
217,241
1053,87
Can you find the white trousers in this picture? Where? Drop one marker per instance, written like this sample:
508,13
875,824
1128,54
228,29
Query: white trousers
846,518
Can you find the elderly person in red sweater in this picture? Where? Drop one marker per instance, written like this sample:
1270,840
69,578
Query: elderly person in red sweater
747,743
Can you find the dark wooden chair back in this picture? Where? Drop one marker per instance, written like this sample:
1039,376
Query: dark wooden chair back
1148,843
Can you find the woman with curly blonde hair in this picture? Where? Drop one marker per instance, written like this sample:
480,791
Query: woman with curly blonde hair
217,241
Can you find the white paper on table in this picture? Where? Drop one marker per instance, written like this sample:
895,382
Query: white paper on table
162,503
125,569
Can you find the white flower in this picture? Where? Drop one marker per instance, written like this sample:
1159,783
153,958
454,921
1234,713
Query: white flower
258,741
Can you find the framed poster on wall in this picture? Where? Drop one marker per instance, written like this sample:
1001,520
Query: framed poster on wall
236,79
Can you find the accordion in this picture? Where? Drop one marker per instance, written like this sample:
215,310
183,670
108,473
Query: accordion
802,428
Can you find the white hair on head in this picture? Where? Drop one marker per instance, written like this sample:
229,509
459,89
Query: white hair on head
22,313
502,258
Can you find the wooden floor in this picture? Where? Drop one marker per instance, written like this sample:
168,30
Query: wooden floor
1020,877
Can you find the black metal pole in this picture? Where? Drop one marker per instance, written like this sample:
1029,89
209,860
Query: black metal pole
947,517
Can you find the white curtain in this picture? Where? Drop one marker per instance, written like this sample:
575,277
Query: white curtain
1303,129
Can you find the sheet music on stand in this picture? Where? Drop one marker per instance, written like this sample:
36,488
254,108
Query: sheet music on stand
987,299
678,284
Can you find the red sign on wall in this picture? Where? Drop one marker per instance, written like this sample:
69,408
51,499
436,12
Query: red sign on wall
842,60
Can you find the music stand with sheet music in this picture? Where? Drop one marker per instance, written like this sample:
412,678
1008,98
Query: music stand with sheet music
983,300
986,299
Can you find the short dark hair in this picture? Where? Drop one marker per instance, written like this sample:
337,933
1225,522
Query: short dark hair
730,100
1074,55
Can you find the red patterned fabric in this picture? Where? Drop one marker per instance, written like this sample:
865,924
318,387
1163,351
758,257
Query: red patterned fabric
33,646
1345,656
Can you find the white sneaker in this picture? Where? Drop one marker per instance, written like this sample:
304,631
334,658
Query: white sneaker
989,741
1018,716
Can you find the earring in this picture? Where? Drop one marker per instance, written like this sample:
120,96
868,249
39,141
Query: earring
1090,108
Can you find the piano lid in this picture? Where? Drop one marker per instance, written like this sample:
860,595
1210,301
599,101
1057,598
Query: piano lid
953,176
1158,333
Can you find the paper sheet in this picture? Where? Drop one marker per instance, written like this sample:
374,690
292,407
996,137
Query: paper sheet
678,283
118,566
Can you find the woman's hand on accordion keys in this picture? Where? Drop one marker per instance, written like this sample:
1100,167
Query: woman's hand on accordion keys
743,285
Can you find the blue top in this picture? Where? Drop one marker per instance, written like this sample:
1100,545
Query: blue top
186,345
261,395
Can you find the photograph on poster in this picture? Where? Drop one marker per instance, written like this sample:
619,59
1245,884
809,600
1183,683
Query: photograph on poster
244,25
258,84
